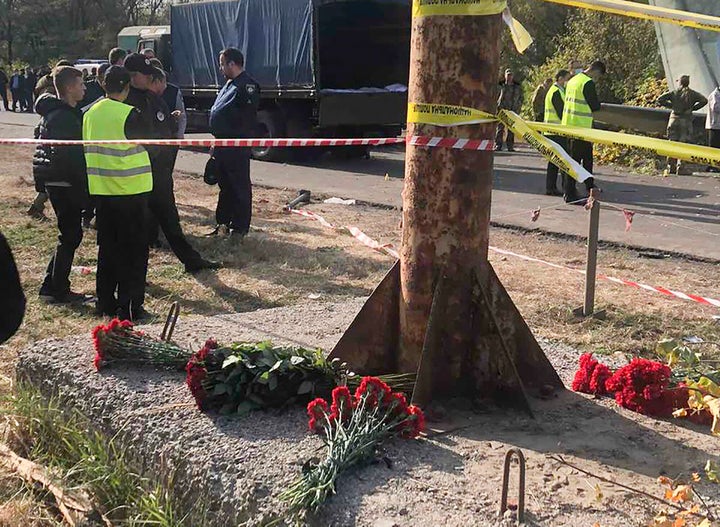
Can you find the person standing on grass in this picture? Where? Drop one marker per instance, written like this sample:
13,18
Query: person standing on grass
234,115
61,169
119,181
44,85
161,125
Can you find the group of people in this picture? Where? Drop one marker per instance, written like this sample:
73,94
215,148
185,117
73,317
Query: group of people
569,100
21,84
129,187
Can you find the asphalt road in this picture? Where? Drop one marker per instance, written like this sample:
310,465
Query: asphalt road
677,213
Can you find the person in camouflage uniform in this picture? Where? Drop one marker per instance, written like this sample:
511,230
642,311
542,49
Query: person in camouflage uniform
683,103
511,98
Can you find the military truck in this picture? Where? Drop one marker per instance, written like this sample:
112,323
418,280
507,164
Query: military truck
327,68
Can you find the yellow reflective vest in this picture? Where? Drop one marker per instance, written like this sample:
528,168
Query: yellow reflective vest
551,116
577,111
114,170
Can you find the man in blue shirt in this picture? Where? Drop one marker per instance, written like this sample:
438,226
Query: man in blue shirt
233,116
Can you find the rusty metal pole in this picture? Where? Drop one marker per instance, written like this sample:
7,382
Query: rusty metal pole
446,200
442,312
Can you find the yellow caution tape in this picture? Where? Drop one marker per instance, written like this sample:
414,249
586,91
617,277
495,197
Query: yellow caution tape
457,7
647,12
520,36
702,155
549,149
446,115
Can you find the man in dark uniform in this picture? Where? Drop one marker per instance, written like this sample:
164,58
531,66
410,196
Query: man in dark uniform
234,115
162,158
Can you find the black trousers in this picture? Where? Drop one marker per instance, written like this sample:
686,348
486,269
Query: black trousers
122,252
552,172
500,136
234,207
582,152
16,99
3,94
164,213
68,205
713,137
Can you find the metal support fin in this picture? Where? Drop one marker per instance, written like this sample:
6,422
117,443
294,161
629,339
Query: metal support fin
370,344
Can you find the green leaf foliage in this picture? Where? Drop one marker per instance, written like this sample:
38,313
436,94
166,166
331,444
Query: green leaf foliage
242,377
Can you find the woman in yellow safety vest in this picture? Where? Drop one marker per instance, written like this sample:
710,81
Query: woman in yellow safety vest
119,181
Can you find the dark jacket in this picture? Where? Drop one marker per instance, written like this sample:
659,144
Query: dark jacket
93,92
3,78
234,113
160,125
511,96
64,165
12,298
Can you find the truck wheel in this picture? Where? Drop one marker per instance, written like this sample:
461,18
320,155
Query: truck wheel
270,125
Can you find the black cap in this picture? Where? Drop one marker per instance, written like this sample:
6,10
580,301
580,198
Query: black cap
116,79
137,63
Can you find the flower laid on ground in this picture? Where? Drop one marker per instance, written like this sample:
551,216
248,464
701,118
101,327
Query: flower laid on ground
241,377
118,342
641,386
591,376
653,388
352,427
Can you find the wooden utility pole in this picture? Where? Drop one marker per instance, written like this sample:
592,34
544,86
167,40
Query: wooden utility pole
444,313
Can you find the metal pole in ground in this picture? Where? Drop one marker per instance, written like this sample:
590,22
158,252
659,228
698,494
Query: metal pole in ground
591,268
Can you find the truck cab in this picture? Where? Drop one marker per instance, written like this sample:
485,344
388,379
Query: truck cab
157,38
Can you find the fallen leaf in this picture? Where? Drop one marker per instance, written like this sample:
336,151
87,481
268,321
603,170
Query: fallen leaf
598,493
695,477
680,494
664,480
679,522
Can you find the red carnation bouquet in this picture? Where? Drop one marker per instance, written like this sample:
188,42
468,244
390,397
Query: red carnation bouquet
352,427
643,386
118,342
649,387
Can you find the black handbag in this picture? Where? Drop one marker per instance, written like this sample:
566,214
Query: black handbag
210,176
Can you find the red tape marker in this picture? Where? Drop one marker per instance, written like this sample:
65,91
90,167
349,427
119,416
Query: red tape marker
655,289
390,250
416,140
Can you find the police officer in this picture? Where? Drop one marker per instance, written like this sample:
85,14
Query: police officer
234,115
161,125
120,180
552,114
581,100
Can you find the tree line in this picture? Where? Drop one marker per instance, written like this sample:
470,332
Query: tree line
35,32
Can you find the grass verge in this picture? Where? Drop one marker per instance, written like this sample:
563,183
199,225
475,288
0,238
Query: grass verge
82,458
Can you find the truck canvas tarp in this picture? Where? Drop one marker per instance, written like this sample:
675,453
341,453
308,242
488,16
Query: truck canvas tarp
350,56
275,35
